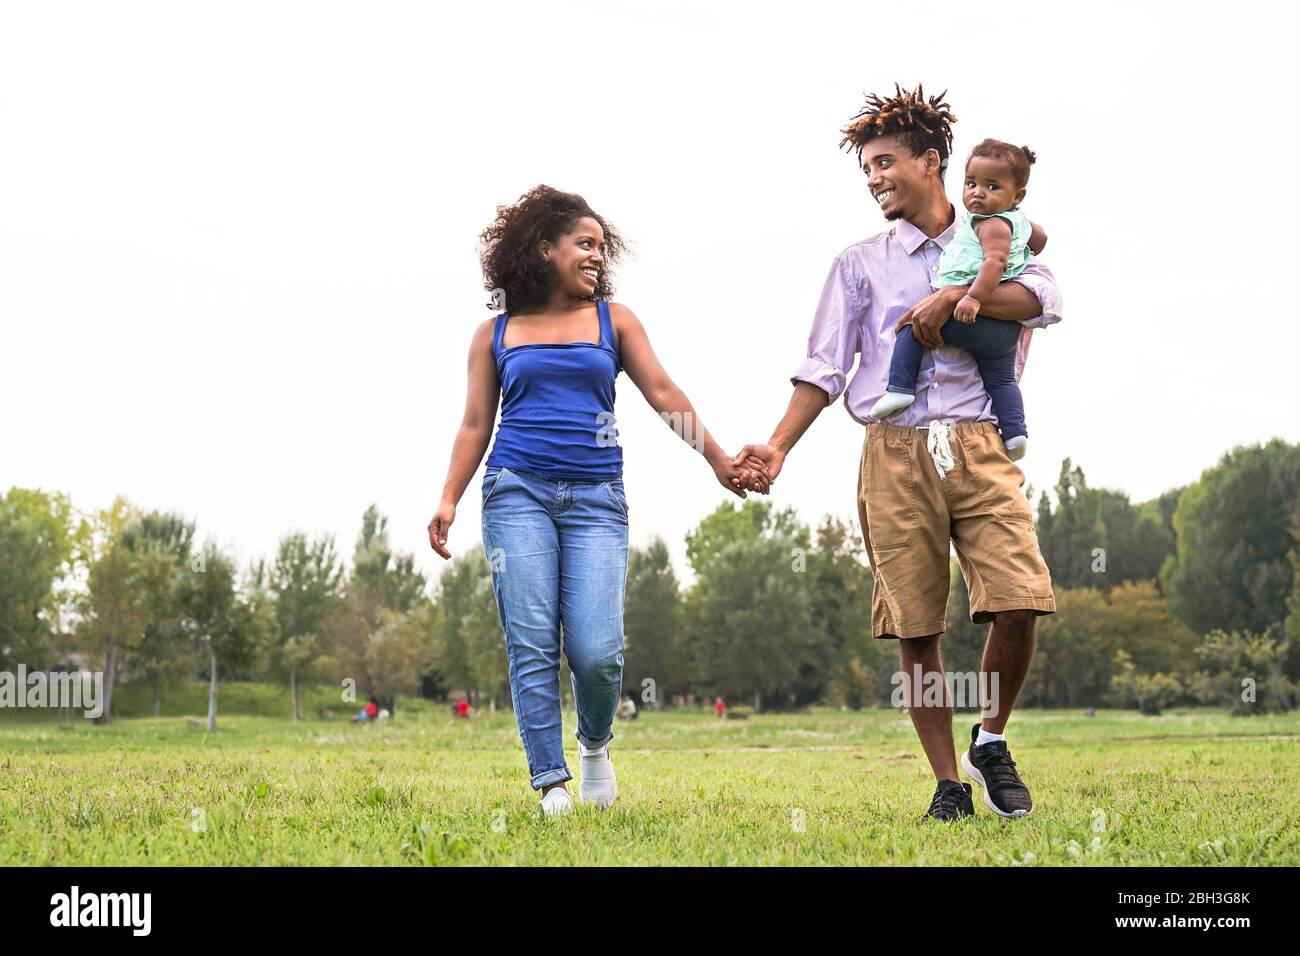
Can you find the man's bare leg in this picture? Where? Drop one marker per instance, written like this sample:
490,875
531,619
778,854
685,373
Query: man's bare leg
933,725
1008,653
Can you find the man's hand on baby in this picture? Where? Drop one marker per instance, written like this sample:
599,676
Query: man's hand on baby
966,310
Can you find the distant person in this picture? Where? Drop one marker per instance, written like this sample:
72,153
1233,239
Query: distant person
627,709
720,707
462,708
555,517
372,709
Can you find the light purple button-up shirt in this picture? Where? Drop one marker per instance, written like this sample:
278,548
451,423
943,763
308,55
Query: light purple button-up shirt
871,285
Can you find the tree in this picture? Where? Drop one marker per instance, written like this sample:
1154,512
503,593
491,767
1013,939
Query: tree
840,592
1139,619
457,591
306,582
1074,657
652,623
749,617
121,586
235,630
1246,670
1232,569
485,648
393,653
41,540
1094,537
380,578
1150,693
1292,624
165,651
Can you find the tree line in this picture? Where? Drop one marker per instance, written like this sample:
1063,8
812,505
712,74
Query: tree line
1190,598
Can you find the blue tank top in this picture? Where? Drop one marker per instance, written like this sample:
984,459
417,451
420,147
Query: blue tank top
557,406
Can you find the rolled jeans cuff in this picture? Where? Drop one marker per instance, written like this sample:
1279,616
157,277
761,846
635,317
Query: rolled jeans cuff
589,744
558,775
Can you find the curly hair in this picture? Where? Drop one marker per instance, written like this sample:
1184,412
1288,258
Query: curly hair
510,256
1019,158
918,122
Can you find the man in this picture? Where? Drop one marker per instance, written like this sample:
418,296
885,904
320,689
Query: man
937,471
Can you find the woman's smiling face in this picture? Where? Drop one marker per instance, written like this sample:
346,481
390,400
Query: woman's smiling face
577,257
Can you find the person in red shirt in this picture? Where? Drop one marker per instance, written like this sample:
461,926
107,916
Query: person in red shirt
462,708
720,707
372,709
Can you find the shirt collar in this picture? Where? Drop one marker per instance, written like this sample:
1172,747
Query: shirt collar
913,238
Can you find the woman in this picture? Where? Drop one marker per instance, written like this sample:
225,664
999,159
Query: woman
554,514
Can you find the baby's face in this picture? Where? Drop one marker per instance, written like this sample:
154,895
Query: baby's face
990,186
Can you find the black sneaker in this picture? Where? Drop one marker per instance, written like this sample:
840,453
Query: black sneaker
993,769
951,801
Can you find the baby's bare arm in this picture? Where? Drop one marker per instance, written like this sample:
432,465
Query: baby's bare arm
995,239
1037,238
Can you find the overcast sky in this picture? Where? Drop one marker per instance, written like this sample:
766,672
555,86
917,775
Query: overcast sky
238,241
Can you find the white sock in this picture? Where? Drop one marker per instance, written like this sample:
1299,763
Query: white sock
890,403
986,737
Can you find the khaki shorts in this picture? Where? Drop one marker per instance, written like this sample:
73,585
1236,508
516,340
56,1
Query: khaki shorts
908,516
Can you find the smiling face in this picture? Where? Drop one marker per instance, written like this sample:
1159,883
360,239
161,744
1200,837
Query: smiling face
990,186
577,257
900,181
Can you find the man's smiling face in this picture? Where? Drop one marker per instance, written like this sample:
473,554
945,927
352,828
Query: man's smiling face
899,180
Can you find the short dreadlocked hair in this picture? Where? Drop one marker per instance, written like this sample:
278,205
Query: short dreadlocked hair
509,255
918,122
1019,158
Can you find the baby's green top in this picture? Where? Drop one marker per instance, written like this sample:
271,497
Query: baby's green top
961,259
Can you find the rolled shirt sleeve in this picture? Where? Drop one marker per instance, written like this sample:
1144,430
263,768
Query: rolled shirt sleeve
833,342
1038,279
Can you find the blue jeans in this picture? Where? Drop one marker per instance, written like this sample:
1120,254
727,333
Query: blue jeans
993,343
558,554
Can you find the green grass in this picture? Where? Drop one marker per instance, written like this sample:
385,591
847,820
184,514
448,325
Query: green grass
827,787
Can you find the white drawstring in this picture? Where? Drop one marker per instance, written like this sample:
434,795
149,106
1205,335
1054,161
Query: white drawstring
940,450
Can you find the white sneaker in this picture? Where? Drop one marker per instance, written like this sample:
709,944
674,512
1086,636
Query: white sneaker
557,802
599,785
890,403
1016,447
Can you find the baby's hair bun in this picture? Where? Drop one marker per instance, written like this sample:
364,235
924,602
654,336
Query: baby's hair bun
1029,154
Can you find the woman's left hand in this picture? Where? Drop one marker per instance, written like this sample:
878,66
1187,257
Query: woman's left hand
735,478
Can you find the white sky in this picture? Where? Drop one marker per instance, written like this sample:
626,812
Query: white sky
238,242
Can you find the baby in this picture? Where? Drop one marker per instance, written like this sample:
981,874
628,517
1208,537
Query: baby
992,245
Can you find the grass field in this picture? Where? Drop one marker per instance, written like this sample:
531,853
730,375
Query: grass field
825,787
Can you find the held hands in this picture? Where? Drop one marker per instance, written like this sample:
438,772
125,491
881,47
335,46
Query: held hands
439,526
760,460
966,310
737,478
